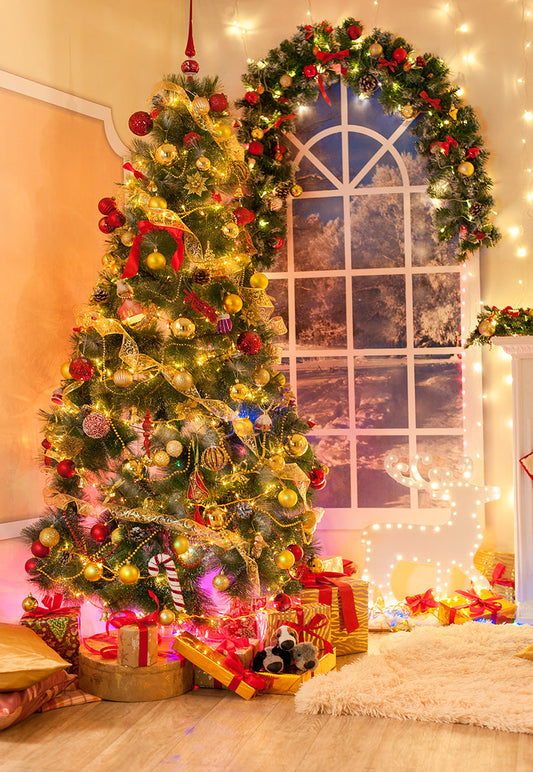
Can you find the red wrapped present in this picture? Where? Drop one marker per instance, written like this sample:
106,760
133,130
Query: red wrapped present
58,626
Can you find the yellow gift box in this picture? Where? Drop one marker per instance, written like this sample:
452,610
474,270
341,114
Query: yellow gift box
289,683
311,621
466,606
345,641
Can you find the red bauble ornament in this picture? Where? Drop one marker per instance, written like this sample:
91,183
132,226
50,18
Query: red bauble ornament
354,31
96,425
81,369
190,138
140,123
317,478
190,65
100,532
106,205
278,243
280,149
116,219
255,148
30,565
282,602
310,70
399,55
297,551
218,103
66,468
39,550
105,226
249,342
243,216
251,97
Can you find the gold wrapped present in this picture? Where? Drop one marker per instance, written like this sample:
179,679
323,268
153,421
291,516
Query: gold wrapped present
228,670
499,569
347,599
311,622
137,645
289,683
467,605
226,646
333,565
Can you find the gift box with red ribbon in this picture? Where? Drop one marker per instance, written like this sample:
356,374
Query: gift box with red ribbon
311,621
347,599
58,626
244,648
244,619
227,669
468,605
421,603
502,582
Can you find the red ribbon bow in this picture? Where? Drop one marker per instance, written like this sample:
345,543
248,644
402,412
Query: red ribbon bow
478,605
324,57
497,576
433,102
224,644
419,604
309,30
325,582
51,605
284,118
145,226
312,628
256,681
382,62
450,141
136,174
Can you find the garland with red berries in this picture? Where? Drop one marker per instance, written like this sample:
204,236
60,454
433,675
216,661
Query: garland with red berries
447,130
500,321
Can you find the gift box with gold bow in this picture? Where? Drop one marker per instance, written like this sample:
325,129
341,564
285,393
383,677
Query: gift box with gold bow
57,625
468,605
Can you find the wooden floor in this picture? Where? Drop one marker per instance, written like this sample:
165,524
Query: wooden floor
213,730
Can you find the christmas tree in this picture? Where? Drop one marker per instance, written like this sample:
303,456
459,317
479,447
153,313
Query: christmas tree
177,463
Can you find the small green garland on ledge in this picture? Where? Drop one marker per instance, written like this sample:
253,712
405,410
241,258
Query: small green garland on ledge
495,321
300,69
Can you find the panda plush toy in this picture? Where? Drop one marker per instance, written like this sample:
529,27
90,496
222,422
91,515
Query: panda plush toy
272,660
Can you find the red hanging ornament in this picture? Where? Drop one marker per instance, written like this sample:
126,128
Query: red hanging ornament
140,123
197,490
317,479
255,148
81,369
190,138
218,103
66,468
310,71
30,566
354,31
399,54
116,219
251,97
190,65
249,342
243,216
282,602
297,551
105,226
39,550
100,532
147,425
278,243
106,205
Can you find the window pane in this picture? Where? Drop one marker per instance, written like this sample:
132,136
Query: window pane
437,309
376,488
311,178
322,388
318,233
317,116
447,453
377,224
335,453
379,311
438,392
329,151
381,393
426,248
320,312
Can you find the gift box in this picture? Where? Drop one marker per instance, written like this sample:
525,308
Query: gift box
421,603
289,683
244,619
311,622
467,605
244,649
137,645
499,570
227,669
502,581
347,599
331,564
58,626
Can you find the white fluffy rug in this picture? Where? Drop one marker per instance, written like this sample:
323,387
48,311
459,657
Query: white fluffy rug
465,674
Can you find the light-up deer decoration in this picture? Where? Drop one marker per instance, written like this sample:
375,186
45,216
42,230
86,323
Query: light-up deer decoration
451,544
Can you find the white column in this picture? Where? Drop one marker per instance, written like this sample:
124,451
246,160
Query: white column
520,348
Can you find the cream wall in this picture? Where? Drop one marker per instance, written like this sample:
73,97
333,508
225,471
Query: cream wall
114,51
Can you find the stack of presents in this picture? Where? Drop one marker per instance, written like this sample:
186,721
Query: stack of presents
259,647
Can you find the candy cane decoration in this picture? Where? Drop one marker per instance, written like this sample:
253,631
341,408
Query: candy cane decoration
172,576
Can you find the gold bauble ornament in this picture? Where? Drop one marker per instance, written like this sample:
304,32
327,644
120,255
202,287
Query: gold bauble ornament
109,260
258,133
161,458
258,281
128,573
285,80
407,111
174,448
260,376
287,498
251,163
49,536
223,131
166,617
122,378
127,238
216,518
466,169
284,559
93,572
156,261
65,370
308,519
157,202
276,463
296,191
297,444
221,582
230,230
200,105
183,327
487,327
116,536
166,154
232,303
239,391
203,163
376,49
315,565
214,458
243,426
275,204
29,603
180,544
182,380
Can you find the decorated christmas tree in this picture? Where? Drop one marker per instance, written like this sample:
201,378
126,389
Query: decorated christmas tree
177,463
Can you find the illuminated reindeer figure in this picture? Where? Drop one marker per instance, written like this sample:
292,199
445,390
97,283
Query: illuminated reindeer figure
452,544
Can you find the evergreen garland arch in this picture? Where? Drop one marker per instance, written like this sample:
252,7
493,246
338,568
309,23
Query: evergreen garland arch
416,85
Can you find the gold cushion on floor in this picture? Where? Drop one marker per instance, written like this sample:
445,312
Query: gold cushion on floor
25,659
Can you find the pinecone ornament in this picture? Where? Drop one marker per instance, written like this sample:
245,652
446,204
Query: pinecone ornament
283,189
136,533
475,209
368,84
201,277
63,557
243,509
100,295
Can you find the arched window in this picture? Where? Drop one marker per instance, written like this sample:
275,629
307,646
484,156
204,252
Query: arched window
374,307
